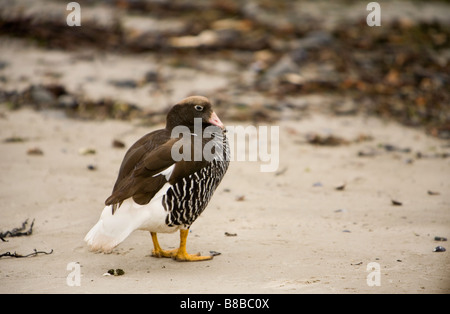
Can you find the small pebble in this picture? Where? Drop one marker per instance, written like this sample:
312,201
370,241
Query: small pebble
87,151
36,151
118,144
439,249
440,238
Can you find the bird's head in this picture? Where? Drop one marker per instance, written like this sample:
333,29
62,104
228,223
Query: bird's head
185,112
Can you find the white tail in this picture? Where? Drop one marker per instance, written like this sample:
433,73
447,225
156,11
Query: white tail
111,229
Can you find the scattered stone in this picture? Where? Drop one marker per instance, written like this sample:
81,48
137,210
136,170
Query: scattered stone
87,151
92,167
439,249
35,151
118,144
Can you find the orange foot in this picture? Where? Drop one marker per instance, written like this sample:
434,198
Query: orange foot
179,254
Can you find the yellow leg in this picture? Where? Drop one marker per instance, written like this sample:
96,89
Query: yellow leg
157,251
181,254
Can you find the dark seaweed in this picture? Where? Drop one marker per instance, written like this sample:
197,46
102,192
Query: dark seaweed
35,253
18,232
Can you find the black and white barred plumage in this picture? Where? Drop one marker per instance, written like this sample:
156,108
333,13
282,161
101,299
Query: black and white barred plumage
187,199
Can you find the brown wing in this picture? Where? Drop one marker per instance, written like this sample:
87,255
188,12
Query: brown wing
138,150
147,157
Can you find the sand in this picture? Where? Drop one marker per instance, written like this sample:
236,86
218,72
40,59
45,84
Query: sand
287,231
291,230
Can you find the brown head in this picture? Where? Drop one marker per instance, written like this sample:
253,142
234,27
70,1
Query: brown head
190,108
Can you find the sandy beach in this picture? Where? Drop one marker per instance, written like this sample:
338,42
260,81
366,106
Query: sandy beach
358,200
294,232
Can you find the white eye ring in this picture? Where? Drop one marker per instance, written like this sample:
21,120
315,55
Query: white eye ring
198,108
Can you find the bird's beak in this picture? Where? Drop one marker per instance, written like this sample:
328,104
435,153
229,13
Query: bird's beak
214,119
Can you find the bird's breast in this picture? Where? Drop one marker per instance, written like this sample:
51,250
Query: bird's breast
186,199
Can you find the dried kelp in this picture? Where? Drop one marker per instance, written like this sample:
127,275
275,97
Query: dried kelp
35,253
18,232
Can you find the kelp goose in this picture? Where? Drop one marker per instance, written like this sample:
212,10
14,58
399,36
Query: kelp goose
158,191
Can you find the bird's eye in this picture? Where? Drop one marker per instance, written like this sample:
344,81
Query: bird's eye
198,108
